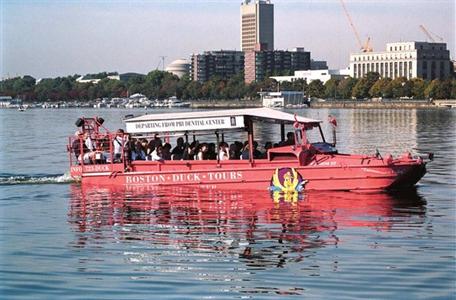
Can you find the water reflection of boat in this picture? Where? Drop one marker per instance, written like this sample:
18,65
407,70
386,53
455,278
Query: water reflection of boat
251,225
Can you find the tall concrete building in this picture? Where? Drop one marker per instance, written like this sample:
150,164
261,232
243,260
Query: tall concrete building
257,25
404,59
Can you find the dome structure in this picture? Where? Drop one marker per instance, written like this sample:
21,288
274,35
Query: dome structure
179,67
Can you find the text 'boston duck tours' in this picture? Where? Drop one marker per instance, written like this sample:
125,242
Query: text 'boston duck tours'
142,155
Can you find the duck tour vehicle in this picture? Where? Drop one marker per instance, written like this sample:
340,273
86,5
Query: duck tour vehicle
137,157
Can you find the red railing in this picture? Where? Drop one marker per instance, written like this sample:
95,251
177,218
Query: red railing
94,144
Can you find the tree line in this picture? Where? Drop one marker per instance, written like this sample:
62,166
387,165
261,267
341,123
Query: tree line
161,85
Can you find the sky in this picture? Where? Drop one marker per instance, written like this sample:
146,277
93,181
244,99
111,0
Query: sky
59,38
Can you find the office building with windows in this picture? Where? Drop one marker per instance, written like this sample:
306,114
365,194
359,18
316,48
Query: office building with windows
257,24
260,64
404,59
222,63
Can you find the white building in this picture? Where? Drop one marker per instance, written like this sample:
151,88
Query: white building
83,79
311,75
179,67
282,99
404,59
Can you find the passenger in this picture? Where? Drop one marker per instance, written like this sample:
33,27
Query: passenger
144,144
233,152
88,155
245,153
119,143
157,154
137,152
76,146
166,152
156,141
88,142
190,150
178,151
202,152
224,151
239,146
256,153
290,141
98,156
267,146
149,149
211,153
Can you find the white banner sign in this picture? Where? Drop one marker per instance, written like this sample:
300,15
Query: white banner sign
182,125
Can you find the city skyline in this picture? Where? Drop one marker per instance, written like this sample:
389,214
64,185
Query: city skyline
49,38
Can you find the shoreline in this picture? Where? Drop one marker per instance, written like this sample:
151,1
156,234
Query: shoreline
349,104
315,104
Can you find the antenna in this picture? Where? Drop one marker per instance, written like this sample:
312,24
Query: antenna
163,62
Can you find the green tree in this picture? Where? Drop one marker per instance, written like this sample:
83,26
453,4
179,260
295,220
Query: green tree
363,86
316,89
361,89
379,88
431,90
418,87
444,89
300,85
401,87
193,90
331,87
236,86
453,89
345,87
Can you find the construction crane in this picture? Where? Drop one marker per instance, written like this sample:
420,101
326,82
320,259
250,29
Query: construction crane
430,34
363,47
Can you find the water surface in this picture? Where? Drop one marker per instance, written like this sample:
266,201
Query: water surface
59,240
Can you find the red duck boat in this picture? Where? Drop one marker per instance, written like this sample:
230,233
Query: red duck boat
101,157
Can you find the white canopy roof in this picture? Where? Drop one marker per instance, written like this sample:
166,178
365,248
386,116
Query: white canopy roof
209,120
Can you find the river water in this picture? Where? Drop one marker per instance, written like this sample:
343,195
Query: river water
59,240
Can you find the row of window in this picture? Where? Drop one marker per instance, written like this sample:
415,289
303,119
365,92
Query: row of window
409,47
383,57
392,70
401,69
400,48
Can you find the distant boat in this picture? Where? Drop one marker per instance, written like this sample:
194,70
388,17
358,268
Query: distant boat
174,102
22,108
289,99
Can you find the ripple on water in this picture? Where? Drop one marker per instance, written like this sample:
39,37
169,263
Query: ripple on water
64,241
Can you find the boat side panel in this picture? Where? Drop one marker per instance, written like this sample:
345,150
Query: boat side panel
316,178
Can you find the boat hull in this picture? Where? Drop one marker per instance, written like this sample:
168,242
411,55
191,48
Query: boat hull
332,173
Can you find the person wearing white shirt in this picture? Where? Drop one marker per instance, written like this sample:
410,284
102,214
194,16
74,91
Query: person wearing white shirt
119,144
224,151
157,154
